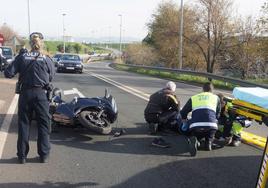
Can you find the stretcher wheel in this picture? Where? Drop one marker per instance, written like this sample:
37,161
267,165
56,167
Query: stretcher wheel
265,120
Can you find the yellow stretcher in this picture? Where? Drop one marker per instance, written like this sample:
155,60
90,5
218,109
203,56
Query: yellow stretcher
248,110
251,112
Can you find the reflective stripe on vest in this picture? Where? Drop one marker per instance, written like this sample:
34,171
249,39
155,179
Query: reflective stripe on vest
205,100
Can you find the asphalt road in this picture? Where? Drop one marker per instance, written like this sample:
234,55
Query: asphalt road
80,158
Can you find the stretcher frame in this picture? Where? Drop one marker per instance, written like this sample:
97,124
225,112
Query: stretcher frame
248,110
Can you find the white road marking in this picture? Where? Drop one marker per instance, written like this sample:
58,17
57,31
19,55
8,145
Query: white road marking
7,122
78,92
128,89
69,92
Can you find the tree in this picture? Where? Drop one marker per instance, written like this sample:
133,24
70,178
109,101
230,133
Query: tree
68,48
60,47
262,30
140,54
164,33
7,32
77,47
241,50
211,28
262,21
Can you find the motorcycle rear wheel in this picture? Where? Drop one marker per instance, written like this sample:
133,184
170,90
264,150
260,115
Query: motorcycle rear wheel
102,126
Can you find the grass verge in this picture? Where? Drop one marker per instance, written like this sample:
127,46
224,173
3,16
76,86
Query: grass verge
198,80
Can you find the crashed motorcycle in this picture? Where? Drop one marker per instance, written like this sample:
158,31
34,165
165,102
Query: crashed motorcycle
96,114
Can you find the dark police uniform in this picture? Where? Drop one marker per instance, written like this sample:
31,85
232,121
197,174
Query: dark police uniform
36,71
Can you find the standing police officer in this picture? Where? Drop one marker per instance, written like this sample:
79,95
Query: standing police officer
35,73
205,108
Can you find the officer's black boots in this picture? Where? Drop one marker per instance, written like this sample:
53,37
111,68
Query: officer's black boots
21,160
193,145
208,145
44,159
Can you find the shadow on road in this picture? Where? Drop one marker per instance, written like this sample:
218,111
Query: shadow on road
221,172
14,160
134,141
48,185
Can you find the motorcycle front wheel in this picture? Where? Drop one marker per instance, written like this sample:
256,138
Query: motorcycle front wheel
90,120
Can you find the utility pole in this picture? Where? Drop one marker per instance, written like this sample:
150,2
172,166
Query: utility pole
63,37
109,37
29,19
181,36
120,41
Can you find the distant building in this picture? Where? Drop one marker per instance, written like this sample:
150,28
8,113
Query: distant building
15,43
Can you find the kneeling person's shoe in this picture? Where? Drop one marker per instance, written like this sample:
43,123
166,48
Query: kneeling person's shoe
193,144
208,145
153,128
159,142
236,143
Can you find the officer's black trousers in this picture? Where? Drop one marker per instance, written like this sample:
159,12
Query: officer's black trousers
204,132
33,100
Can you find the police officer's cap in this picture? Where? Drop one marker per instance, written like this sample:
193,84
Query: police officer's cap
36,34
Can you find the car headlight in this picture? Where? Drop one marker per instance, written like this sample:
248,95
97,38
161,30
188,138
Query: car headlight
60,64
9,60
79,65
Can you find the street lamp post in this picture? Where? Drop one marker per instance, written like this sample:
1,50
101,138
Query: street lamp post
63,37
181,36
93,36
123,37
120,41
109,37
29,20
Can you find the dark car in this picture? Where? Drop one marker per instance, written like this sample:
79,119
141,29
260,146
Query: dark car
56,58
8,54
70,63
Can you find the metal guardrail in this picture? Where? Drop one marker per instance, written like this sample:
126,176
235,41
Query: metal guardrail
202,74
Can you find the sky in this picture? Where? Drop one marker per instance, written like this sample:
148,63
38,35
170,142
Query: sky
93,18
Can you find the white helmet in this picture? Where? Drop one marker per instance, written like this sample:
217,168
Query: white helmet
171,86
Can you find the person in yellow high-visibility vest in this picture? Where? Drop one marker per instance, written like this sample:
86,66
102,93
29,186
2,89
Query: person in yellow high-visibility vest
229,125
205,108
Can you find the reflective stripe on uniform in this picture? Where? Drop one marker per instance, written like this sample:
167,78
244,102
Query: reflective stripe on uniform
205,100
236,128
173,98
204,124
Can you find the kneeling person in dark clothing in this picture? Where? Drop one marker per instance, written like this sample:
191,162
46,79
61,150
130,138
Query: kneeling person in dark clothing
205,108
162,106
